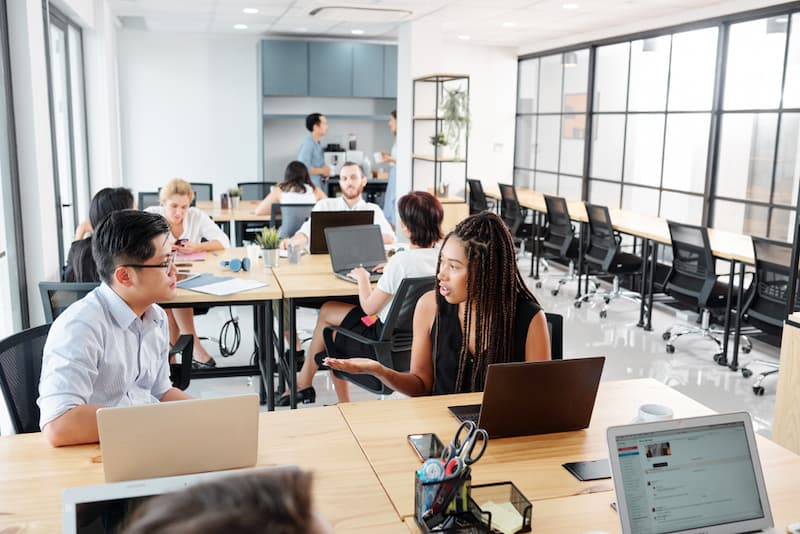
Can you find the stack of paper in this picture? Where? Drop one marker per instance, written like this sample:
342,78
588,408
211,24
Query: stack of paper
219,285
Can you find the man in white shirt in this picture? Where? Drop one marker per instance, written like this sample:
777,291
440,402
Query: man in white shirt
352,182
111,347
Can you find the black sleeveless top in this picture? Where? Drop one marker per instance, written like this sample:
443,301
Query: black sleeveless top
449,345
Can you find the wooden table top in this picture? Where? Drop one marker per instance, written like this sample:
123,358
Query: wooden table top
346,491
211,265
245,212
533,463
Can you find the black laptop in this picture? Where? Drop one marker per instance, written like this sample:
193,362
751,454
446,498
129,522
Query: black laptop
355,246
523,399
331,219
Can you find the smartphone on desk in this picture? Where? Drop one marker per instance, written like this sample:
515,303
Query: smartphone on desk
426,445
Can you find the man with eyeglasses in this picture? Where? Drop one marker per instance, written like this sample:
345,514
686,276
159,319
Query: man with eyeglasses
111,347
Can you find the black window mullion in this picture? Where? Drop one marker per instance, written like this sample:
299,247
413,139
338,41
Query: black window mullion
561,124
712,158
588,125
666,117
625,127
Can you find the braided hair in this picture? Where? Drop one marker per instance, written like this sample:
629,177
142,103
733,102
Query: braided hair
494,285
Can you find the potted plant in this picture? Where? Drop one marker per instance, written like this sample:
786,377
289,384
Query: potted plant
439,142
455,115
269,242
234,195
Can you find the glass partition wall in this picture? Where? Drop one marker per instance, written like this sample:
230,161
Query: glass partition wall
699,125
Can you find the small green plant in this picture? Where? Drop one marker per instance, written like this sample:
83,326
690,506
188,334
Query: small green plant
234,192
455,112
438,139
268,238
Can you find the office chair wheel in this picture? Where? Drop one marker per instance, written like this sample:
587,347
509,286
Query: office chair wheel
746,373
603,314
665,336
758,390
746,350
538,285
669,348
554,292
606,300
720,358
577,304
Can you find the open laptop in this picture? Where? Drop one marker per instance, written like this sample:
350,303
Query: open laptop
355,246
700,474
179,437
527,398
320,220
107,507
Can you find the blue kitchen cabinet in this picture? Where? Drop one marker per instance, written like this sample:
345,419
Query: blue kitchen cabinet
330,68
284,68
368,70
390,71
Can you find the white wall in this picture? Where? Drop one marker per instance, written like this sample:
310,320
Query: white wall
493,88
189,108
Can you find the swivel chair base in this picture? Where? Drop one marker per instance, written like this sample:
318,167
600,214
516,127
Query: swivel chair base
675,331
616,293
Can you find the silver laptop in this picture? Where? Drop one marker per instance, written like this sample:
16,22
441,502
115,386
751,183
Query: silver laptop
180,437
527,398
700,474
107,507
355,246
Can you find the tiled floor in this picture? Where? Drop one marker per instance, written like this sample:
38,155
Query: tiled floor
630,353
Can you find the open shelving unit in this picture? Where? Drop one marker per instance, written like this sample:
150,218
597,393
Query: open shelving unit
434,168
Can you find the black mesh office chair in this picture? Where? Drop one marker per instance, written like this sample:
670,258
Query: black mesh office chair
693,281
148,199
514,215
559,242
288,218
254,190
393,348
58,296
477,198
764,307
604,257
202,192
20,369
555,327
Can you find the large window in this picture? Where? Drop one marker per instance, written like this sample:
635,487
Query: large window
13,305
68,124
698,125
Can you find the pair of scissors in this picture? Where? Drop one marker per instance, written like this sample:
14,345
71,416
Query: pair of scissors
462,449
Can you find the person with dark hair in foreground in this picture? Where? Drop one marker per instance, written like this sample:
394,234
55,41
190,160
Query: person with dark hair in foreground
421,221
480,313
111,347
273,502
80,264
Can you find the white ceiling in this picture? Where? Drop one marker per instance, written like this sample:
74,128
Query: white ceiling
526,24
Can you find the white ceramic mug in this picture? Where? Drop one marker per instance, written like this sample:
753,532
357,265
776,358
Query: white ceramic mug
252,253
653,412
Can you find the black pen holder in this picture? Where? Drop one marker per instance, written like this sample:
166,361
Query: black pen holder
445,506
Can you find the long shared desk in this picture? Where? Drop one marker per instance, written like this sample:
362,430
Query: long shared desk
736,249
364,468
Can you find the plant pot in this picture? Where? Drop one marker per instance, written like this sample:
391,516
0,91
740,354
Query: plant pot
271,257
234,203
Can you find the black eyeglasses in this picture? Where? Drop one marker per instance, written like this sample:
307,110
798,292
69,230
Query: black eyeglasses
167,265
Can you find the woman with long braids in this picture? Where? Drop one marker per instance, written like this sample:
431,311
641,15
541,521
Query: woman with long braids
480,313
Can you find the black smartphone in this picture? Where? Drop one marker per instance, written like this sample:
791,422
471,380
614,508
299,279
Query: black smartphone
592,470
426,445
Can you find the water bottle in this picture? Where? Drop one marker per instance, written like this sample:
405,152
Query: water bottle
351,141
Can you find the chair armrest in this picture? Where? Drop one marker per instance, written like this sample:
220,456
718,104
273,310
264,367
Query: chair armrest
328,332
180,375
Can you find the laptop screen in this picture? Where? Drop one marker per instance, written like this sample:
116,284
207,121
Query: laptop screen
351,246
686,478
320,220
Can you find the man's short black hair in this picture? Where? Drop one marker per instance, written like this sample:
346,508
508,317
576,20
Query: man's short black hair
312,120
125,236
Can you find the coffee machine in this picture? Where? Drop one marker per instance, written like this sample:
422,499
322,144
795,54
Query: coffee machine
334,159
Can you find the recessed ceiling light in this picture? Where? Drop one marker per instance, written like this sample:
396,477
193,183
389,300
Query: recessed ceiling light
250,10
464,37
357,32
509,24
240,26
569,6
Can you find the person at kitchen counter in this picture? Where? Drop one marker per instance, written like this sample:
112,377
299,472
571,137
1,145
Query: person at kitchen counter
310,152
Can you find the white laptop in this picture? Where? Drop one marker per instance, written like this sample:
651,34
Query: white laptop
699,474
106,507
180,437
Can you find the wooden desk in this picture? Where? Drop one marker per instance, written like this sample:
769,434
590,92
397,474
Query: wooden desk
245,212
786,426
533,463
346,491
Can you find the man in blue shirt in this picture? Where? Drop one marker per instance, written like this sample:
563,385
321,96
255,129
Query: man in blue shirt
310,152
111,348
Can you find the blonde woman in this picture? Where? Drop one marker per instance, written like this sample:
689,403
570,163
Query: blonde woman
191,231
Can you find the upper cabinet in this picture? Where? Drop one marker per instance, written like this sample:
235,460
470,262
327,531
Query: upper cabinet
390,71
284,68
328,68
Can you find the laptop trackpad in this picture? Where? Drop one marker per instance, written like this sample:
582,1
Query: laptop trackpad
466,412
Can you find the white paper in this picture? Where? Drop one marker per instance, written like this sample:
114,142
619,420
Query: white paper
229,287
504,516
